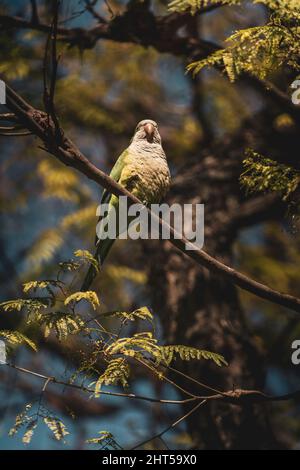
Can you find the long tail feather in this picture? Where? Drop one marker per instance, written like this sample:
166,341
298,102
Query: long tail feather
103,250
90,276
100,256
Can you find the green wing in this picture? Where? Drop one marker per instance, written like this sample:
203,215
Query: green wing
105,245
115,174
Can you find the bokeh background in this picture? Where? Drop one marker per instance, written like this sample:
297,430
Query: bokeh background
48,211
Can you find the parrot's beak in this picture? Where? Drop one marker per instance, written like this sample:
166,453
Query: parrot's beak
149,130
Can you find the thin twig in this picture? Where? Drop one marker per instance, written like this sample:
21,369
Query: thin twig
102,392
171,426
10,128
89,6
8,117
201,384
15,134
110,10
237,397
49,92
166,379
54,63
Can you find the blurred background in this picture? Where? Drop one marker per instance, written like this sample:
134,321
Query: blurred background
48,211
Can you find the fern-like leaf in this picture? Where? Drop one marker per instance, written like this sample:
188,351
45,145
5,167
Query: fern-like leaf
263,174
57,427
90,296
187,353
142,313
195,5
16,338
134,346
117,372
86,256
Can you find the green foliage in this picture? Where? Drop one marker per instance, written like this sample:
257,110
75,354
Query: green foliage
26,420
44,248
47,311
287,9
26,439
263,174
32,305
49,285
14,68
73,86
86,256
106,440
187,353
117,372
137,346
145,346
15,338
34,285
89,296
50,241
69,266
62,323
194,5
260,50
58,181
56,426
274,260
142,313
13,60
30,419
117,273
139,343
108,351
114,349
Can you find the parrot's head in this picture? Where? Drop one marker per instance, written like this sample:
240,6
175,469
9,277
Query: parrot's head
147,130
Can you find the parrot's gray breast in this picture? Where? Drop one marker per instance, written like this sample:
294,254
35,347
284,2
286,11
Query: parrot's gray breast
147,173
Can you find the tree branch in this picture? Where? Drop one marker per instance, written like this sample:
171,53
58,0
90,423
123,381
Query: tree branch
146,30
237,397
171,426
34,12
139,25
102,392
38,123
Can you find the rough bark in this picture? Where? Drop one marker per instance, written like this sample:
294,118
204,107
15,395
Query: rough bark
202,310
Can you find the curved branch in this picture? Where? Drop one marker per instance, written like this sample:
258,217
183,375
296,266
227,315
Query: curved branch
101,392
237,397
66,151
171,426
146,30
160,32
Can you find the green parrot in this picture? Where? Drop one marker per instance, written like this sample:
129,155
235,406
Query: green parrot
143,170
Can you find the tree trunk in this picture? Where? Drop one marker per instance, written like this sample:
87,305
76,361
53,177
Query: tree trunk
202,310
